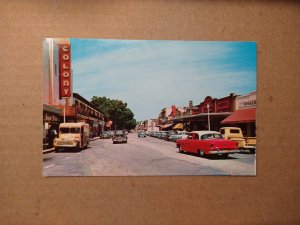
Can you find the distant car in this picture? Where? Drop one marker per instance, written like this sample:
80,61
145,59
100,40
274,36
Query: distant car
111,133
178,135
207,143
171,132
142,134
163,134
105,135
119,137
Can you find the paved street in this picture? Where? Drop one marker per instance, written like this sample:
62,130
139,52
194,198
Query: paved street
142,156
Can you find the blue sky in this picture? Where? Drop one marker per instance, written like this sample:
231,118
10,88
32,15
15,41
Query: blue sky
152,75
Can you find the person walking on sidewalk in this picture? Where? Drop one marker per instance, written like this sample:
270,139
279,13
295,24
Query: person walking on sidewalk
52,136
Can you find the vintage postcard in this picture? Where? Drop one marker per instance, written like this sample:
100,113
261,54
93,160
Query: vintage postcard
148,107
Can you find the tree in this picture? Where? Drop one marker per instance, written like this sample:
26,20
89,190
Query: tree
117,111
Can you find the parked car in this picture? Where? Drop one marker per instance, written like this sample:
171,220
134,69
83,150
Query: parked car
111,133
171,132
236,134
207,143
105,135
119,137
142,134
155,133
178,135
162,134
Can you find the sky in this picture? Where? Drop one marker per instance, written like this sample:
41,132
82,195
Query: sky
152,75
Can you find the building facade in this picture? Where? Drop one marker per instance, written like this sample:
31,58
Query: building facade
85,111
244,115
57,84
207,115
60,104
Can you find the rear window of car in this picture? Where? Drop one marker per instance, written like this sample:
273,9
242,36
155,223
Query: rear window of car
234,131
211,136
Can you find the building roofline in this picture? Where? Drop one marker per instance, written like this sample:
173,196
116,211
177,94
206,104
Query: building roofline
79,97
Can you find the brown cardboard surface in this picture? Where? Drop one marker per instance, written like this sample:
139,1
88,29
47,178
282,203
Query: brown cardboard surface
272,197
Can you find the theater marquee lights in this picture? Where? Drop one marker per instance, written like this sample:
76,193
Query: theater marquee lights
64,71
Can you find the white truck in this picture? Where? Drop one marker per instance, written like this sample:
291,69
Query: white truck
236,134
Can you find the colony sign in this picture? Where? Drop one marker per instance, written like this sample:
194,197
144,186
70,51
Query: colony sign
64,71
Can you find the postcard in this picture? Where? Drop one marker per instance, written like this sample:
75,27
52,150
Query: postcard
148,107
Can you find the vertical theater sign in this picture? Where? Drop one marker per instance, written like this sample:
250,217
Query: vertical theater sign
64,70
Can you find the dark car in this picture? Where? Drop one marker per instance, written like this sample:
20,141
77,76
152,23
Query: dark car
105,135
171,132
119,137
142,134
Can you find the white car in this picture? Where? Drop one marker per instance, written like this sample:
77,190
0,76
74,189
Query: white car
179,135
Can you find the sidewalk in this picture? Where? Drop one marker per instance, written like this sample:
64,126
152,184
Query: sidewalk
48,150
53,149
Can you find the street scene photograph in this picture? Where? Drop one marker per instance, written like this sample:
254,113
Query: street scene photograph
149,107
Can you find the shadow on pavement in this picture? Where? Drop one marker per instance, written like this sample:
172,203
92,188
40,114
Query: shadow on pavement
212,157
64,150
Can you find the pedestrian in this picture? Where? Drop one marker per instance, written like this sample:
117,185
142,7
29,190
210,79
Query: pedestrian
52,136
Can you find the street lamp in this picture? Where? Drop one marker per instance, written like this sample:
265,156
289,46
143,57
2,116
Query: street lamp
208,116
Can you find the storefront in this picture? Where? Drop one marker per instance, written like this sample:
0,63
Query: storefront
85,111
205,116
51,120
245,115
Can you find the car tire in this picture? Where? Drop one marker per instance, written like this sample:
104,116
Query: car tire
180,149
201,153
225,156
252,151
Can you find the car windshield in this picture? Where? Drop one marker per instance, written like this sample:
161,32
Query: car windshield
211,136
119,132
67,130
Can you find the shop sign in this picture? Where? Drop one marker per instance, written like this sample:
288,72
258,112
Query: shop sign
50,118
65,71
248,101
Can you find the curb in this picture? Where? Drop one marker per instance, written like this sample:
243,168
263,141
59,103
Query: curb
53,149
48,150
93,139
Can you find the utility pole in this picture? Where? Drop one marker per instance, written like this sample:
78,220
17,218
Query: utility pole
208,120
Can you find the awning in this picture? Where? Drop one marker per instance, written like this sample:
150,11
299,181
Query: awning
241,116
166,125
52,109
178,126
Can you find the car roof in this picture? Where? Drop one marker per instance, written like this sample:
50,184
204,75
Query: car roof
202,132
70,125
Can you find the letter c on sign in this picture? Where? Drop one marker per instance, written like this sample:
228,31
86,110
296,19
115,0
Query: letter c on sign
65,48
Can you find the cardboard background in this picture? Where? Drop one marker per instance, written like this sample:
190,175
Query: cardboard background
272,197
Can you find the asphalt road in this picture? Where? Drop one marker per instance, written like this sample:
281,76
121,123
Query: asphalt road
142,157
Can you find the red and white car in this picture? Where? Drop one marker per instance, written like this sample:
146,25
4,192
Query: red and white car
207,143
